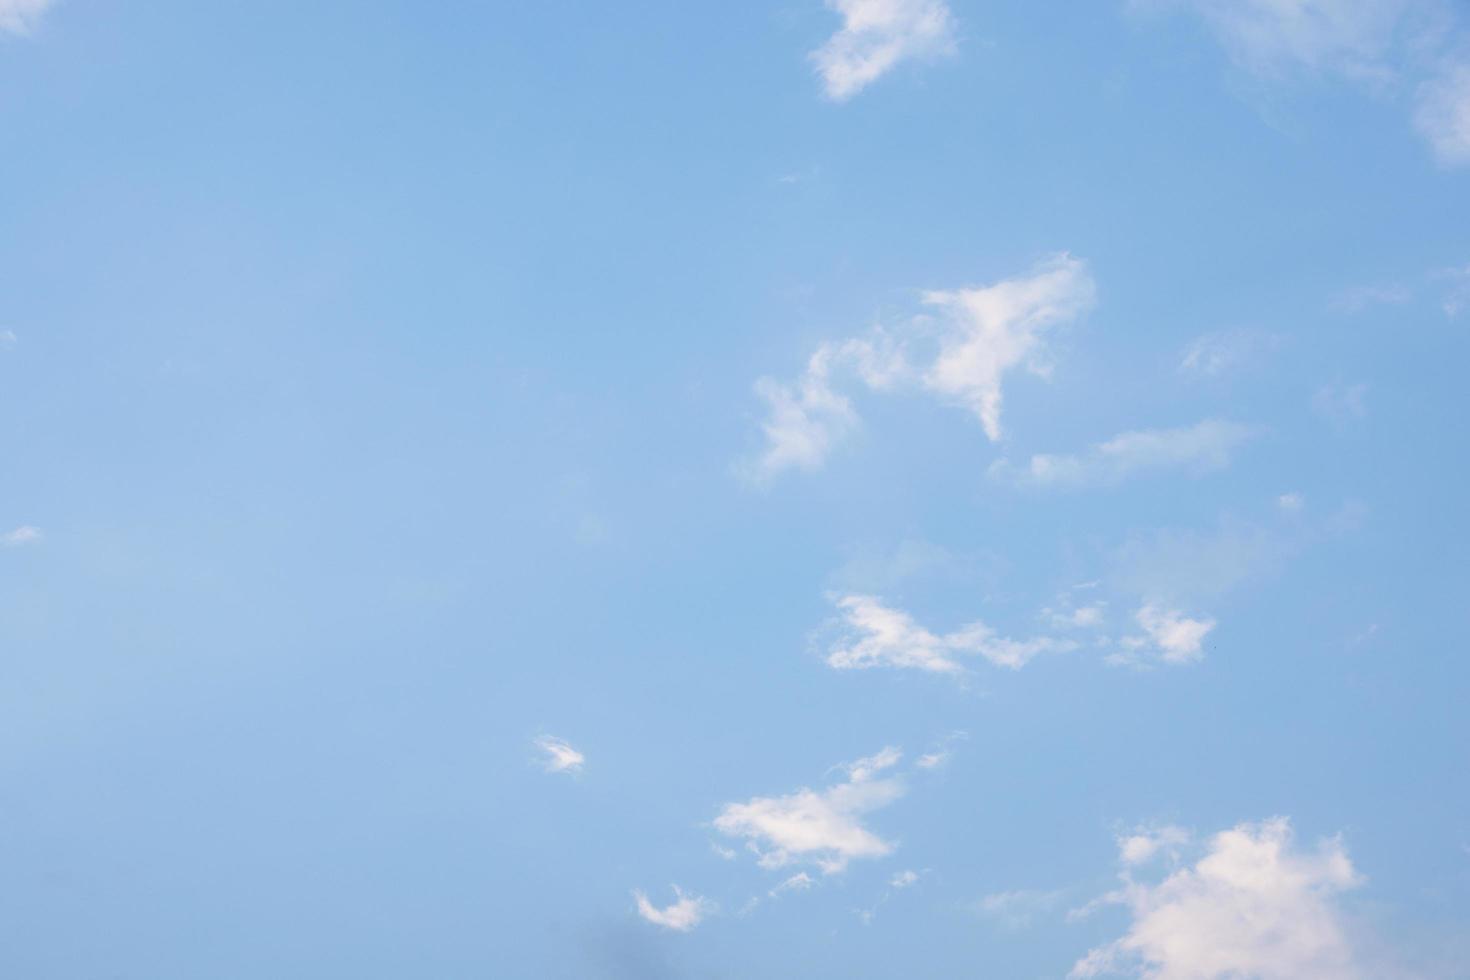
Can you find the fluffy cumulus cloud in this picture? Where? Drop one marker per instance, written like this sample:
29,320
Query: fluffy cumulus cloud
1443,115
872,634
1168,636
20,16
823,827
686,912
1199,448
877,35
1254,905
558,756
960,348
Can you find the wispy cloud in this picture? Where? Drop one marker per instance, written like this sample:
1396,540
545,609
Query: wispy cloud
1199,448
1223,351
940,755
21,16
1442,115
877,35
686,912
961,349
1254,905
1340,403
559,755
23,535
1016,910
872,634
822,827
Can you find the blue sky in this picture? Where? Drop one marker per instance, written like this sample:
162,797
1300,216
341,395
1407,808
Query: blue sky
870,488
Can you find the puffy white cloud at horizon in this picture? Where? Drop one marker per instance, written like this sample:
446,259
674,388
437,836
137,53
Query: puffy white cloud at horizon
875,635
877,35
1199,448
1443,115
686,912
961,351
821,827
560,756
21,16
1254,906
25,534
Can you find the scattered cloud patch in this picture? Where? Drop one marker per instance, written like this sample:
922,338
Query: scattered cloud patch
1219,353
823,827
1291,503
872,634
1457,296
686,912
1200,448
1254,905
960,350
904,879
8,339
1017,910
21,16
1442,115
1168,636
23,535
876,36
1146,843
559,755
798,882
1360,298
941,754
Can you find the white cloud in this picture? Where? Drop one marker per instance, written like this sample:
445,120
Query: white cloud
942,753
823,827
20,16
1216,353
1169,635
1254,906
1443,115
798,882
874,635
805,421
1017,909
560,757
904,879
1273,36
971,341
1198,448
1146,843
1291,502
7,338
875,36
23,535
684,914
991,330
1457,297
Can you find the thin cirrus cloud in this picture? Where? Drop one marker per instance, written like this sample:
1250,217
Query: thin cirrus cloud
872,634
21,16
559,756
821,827
960,349
1443,115
682,915
1254,905
876,36
23,535
1200,448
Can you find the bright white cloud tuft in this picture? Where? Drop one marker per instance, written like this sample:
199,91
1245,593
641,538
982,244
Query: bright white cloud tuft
20,16
1146,843
1443,116
877,35
1198,448
684,914
1254,906
991,330
874,635
904,879
1170,635
972,340
23,535
826,827
798,882
560,757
